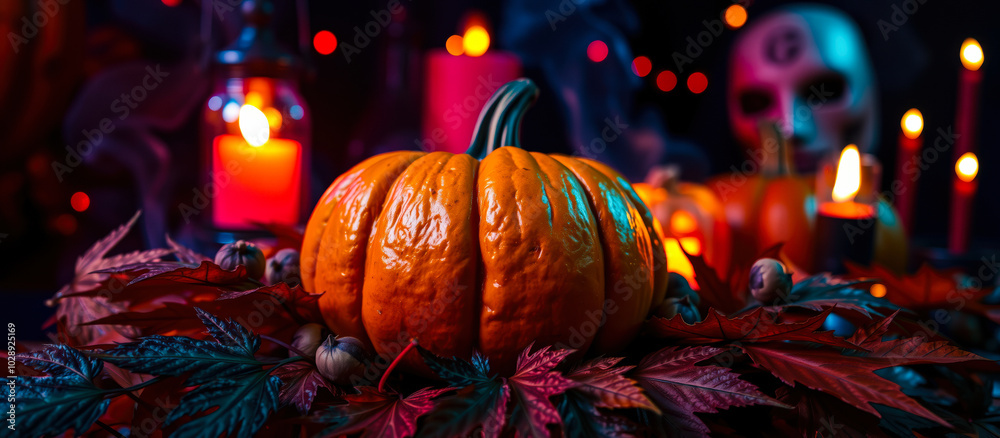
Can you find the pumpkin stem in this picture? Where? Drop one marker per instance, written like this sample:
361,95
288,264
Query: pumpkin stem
392,366
499,122
770,131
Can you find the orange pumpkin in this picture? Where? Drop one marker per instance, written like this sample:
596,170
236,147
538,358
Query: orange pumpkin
777,206
692,216
491,250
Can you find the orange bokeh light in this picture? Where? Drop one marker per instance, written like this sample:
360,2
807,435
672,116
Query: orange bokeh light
736,16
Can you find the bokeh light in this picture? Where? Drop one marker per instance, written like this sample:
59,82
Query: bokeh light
476,40
454,45
736,16
666,80
697,82
80,201
597,51
641,66
325,42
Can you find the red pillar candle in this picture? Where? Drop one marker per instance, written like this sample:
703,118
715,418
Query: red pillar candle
845,228
910,143
256,178
964,189
967,110
459,81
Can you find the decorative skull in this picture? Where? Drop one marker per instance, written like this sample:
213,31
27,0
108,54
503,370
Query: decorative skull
805,67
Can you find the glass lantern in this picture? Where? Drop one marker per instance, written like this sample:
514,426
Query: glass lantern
255,134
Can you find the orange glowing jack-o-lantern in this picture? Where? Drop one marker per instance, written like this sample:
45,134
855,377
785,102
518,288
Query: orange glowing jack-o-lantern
692,217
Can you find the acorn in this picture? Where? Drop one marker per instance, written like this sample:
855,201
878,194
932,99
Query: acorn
339,358
243,253
283,267
769,281
308,338
682,306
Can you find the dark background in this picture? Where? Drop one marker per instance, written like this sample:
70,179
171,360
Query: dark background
40,234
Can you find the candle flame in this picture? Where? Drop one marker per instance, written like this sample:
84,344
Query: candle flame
972,54
967,167
848,181
476,40
912,123
253,125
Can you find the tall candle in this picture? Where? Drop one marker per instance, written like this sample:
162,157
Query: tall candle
459,81
911,141
967,110
844,227
964,190
256,178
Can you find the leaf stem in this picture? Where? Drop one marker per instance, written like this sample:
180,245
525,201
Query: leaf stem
109,429
392,366
136,387
283,344
284,362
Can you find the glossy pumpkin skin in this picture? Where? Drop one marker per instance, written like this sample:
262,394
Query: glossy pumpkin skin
488,255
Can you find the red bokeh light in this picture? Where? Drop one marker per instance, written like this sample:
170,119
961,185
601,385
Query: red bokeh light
597,51
641,66
697,82
80,201
171,3
325,42
666,80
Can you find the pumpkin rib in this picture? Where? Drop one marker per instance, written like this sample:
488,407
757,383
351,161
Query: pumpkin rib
628,257
316,225
345,239
422,261
543,270
653,227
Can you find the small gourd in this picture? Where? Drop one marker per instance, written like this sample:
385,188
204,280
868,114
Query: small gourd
243,253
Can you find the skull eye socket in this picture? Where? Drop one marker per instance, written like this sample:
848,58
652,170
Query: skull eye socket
827,88
755,101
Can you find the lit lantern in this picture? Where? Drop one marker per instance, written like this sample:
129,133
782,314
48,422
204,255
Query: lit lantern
693,222
256,131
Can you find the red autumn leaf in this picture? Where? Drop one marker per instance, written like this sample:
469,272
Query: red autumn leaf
301,305
606,386
819,414
756,326
906,351
680,389
375,414
185,254
851,378
74,311
927,288
300,382
155,403
532,384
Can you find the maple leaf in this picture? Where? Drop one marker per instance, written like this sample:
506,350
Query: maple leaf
185,254
905,351
78,310
156,401
64,399
301,306
478,408
533,383
458,372
757,326
605,386
818,414
376,414
245,403
713,290
680,389
582,419
230,357
300,383
927,288
820,292
207,278
851,378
